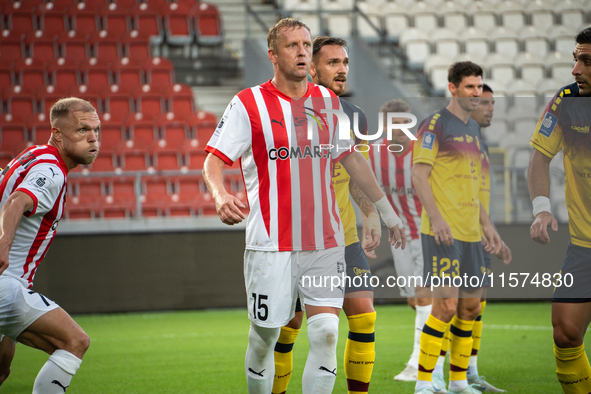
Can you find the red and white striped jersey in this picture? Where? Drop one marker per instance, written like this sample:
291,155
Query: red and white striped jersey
287,176
394,174
40,172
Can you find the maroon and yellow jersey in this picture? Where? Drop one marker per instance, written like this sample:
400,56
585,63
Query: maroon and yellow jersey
565,124
452,147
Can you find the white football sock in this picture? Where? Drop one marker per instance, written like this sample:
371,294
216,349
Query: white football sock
260,364
422,314
457,385
321,367
439,366
55,376
472,366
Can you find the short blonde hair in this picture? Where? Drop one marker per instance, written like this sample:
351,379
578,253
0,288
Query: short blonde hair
285,23
64,107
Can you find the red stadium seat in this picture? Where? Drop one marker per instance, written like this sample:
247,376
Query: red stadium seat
174,134
118,107
147,22
208,25
5,158
126,4
30,74
42,46
96,77
180,101
88,6
13,138
142,134
194,159
52,22
191,198
94,99
114,19
178,24
134,161
137,48
104,163
157,196
39,131
72,46
105,46
6,74
128,77
148,105
121,200
19,106
111,135
60,6
86,199
21,21
85,22
167,160
63,75
160,77
11,50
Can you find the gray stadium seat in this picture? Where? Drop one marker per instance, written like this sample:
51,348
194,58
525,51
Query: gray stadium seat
476,41
506,41
532,67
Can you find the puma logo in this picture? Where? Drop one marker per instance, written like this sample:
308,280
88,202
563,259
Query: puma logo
61,385
53,173
334,371
256,373
279,122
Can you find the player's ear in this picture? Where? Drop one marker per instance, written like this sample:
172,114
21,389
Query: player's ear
312,71
272,56
56,133
452,88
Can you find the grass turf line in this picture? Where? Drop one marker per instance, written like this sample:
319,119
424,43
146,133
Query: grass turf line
203,352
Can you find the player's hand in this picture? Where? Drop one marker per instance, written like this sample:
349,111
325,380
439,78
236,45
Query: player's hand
372,233
228,209
442,232
397,237
493,239
505,253
539,228
370,254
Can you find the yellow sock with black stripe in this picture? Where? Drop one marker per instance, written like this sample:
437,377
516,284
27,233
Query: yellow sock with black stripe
284,359
460,348
476,338
444,348
573,370
360,352
431,340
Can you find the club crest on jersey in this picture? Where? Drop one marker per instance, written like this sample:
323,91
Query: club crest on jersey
428,140
548,124
39,181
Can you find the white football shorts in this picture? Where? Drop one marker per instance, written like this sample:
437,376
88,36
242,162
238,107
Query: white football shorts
20,307
409,263
275,279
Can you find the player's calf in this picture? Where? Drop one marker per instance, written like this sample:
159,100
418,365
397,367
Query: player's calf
321,367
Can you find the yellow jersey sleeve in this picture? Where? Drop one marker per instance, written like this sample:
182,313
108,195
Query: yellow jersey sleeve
548,137
427,145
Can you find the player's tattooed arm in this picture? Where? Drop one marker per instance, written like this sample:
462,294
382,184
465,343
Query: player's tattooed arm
361,199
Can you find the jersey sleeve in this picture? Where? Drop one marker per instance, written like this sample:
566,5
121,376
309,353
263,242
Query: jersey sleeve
341,147
427,144
548,137
232,136
43,183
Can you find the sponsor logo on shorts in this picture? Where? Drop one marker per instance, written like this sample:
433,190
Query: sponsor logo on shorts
581,129
548,124
359,272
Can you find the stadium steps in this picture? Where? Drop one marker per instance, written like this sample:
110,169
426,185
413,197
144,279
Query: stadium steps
216,98
235,24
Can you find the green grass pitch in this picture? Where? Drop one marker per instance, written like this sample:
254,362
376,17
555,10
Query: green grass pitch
203,352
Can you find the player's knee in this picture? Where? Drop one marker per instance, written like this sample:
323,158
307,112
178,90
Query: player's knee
469,312
79,344
262,340
323,330
567,335
4,375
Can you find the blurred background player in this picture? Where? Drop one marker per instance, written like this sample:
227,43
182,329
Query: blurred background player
32,197
565,125
483,116
330,67
287,235
393,170
446,174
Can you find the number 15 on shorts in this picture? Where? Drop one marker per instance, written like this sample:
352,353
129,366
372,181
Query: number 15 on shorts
260,310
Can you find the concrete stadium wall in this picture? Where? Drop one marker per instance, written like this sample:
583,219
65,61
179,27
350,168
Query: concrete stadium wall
195,270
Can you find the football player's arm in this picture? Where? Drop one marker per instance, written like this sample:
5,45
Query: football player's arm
538,180
494,242
372,228
420,179
360,171
10,216
227,206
